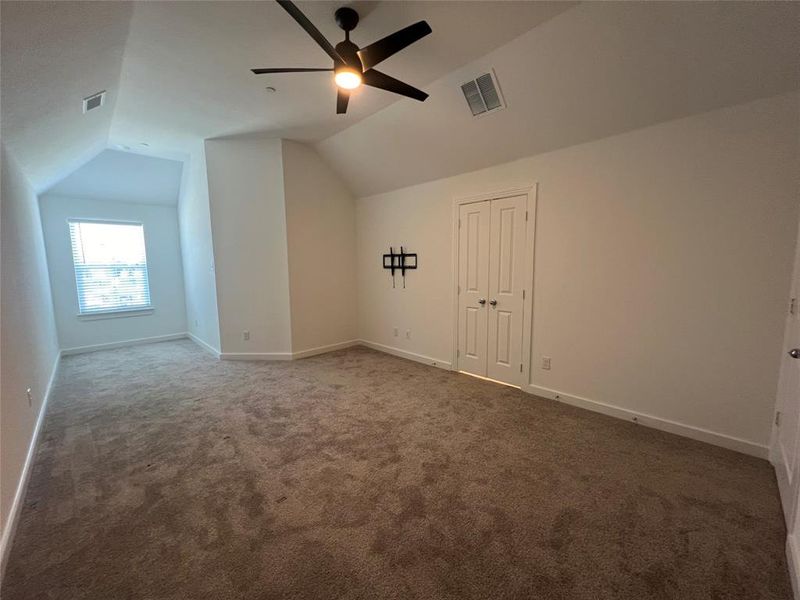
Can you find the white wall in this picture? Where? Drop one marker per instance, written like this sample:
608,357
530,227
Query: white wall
197,252
320,218
28,342
248,221
163,266
661,266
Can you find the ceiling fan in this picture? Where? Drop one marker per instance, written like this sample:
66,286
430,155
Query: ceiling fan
352,66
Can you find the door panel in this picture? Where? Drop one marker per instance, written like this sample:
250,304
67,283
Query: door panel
503,338
473,280
785,455
475,274
505,243
472,334
506,263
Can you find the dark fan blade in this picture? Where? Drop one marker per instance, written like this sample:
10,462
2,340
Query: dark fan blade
382,49
290,70
390,84
342,97
303,21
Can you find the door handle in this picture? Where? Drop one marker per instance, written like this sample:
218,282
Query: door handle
794,352
481,301
493,302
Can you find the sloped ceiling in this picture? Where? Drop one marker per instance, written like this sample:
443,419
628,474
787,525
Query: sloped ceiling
596,70
178,72
53,54
124,177
186,73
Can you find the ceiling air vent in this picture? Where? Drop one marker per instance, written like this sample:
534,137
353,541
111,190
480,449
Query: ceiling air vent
94,101
483,94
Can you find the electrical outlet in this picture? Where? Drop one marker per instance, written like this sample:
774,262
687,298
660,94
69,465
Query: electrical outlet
246,336
546,363
408,334
395,332
30,396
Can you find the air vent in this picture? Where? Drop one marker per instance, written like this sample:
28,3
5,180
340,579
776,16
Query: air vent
94,101
483,94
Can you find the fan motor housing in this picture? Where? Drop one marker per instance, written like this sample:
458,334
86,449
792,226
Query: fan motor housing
346,18
349,52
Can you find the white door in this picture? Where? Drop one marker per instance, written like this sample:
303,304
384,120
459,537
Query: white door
787,430
473,280
491,249
506,274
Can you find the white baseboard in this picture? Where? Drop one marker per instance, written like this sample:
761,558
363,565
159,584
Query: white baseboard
16,506
421,358
122,344
793,561
324,349
287,355
205,346
689,431
256,356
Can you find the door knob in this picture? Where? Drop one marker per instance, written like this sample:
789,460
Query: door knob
481,301
493,302
794,352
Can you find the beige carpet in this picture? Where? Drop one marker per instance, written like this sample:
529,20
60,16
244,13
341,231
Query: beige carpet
165,474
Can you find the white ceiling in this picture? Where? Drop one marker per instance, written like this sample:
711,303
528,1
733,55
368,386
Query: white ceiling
124,177
596,70
178,72
53,55
186,73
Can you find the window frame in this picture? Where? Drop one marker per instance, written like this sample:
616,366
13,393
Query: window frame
110,313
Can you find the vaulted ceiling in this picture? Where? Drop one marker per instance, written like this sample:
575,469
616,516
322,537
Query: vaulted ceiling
177,72
599,69
124,177
52,55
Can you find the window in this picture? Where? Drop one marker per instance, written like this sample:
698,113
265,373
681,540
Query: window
110,266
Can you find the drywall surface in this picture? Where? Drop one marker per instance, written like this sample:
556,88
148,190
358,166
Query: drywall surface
197,252
124,177
596,70
163,266
320,220
28,340
662,262
248,221
54,54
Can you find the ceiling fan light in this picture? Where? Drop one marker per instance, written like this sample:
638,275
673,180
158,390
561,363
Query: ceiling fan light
347,78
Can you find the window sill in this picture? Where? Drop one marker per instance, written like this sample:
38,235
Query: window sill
116,314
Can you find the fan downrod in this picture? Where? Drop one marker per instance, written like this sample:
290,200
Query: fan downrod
346,18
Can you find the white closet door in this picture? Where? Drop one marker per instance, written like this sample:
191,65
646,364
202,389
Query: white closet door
473,280
506,277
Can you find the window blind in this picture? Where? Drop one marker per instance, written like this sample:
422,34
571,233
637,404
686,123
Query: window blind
110,266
